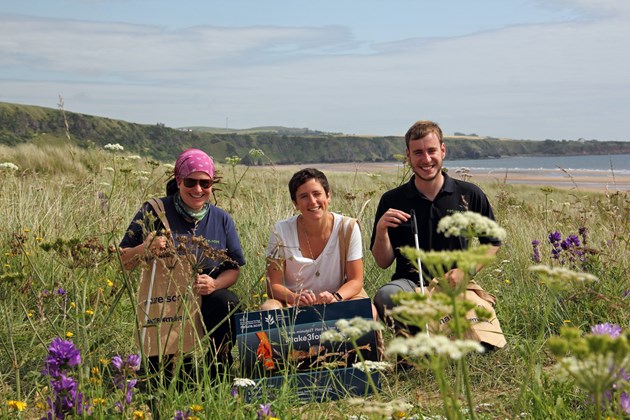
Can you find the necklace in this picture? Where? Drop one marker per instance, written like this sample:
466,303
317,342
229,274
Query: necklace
308,243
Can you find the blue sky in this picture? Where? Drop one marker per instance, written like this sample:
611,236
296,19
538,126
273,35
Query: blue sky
520,69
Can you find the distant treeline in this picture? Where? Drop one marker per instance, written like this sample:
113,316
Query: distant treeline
31,124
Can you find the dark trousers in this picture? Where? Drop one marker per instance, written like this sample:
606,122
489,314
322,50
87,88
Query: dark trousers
217,309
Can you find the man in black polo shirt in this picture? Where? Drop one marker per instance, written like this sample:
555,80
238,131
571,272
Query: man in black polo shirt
432,194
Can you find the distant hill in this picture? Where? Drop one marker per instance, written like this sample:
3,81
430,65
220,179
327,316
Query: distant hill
281,145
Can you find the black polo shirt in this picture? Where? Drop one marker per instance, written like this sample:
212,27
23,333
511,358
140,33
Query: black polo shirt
455,196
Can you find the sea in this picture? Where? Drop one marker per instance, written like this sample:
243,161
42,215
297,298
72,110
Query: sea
594,172
611,172
618,164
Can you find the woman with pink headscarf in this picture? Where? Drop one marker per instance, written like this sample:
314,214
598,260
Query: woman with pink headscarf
190,214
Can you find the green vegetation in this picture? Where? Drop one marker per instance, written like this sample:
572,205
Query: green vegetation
65,209
23,124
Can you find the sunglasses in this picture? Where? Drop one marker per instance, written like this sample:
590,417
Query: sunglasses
203,183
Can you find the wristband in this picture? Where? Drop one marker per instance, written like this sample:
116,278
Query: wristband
338,296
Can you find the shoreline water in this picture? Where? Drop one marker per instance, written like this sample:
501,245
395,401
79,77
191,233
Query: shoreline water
580,179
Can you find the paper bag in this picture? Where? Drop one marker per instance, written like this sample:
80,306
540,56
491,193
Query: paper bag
481,330
168,311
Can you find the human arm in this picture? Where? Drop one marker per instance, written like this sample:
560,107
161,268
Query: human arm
382,248
152,245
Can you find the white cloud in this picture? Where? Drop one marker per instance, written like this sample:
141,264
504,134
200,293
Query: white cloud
563,80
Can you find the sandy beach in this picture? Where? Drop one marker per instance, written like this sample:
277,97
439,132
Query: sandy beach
582,180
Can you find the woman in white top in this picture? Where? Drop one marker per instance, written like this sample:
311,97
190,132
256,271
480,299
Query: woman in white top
303,255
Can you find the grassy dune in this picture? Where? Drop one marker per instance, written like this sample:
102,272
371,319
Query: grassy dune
64,208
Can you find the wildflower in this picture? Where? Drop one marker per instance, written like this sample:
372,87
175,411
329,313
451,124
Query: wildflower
352,329
110,283
243,382
137,414
470,224
182,415
612,330
234,392
370,366
89,312
536,253
555,237
114,147
16,405
380,409
424,345
61,355
73,305
264,411
104,361
61,292
9,166
196,408
561,278
99,401
584,234
624,399
125,369
30,313
69,334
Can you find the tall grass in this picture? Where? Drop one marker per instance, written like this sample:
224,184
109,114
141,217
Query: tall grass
65,208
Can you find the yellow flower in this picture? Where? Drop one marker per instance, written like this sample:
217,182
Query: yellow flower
16,405
104,361
508,281
96,381
27,230
95,370
30,313
567,321
110,283
262,278
28,254
265,296
100,290
99,401
196,408
41,405
138,414
89,312
7,266
193,418
69,334
73,305
39,239
256,296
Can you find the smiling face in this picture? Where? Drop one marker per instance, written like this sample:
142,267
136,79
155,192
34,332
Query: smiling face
312,200
425,156
195,197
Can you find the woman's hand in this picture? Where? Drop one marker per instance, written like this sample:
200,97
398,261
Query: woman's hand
306,298
154,244
204,285
326,297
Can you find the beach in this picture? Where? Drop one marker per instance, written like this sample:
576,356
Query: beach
583,180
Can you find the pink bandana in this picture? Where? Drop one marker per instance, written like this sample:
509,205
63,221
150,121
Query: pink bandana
193,160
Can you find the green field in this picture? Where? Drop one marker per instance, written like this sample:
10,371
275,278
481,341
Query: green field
64,210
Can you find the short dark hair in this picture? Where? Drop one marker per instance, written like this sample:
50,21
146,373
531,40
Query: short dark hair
420,129
304,175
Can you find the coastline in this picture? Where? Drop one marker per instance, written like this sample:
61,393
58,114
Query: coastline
582,180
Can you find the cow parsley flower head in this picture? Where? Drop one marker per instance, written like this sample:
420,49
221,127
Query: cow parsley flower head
350,329
9,166
114,147
427,345
470,224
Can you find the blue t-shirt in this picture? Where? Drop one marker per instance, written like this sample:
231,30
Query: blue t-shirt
216,228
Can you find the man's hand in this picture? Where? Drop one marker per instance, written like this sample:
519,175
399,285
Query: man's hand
382,249
454,277
204,285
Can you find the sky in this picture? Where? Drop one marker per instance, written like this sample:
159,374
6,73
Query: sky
522,69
